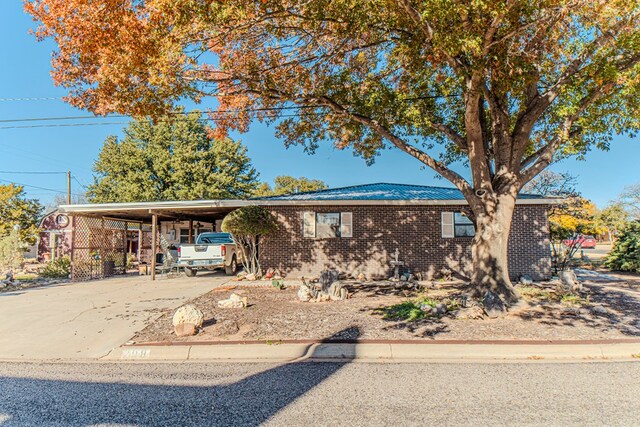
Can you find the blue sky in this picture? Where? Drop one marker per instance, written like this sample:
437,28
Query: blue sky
24,73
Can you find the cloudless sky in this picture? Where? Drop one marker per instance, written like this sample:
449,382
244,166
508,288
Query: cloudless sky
24,73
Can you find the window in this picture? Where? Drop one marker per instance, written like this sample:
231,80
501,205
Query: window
184,234
455,224
326,225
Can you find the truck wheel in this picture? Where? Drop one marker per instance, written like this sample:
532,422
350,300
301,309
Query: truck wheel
231,268
190,272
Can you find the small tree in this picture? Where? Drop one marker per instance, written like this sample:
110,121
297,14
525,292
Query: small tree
625,254
247,225
12,250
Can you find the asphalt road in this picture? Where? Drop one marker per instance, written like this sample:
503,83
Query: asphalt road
308,394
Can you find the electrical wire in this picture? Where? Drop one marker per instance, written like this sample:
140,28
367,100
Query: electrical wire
33,172
39,188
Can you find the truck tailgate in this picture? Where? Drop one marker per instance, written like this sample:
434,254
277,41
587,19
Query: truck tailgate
196,252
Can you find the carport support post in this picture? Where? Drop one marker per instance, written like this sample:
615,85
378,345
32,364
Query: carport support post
190,231
154,238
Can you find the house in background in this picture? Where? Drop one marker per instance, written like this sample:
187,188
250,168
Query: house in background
354,230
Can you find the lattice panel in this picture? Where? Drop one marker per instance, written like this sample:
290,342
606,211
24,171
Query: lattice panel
99,248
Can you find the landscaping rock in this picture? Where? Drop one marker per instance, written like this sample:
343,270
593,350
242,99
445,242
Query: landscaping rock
338,292
441,308
598,309
327,277
187,319
234,301
569,281
361,277
470,313
251,276
493,305
526,280
426,308
305,293
185,329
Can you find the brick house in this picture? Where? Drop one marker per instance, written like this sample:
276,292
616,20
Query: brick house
351,229
358,229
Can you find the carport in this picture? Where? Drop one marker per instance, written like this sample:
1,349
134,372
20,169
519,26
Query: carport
102,233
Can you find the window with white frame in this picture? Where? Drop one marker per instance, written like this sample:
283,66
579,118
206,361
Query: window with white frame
456,224
327,225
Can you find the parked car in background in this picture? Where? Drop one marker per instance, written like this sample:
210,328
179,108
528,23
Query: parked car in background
582,241
211,251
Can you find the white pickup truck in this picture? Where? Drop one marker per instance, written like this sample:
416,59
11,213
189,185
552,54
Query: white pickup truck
210,252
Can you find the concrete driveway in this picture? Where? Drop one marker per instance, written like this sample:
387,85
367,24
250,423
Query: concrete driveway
87,320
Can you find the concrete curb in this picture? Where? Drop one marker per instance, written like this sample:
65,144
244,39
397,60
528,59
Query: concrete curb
390,352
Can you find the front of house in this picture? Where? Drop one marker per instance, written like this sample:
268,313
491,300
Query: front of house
355,230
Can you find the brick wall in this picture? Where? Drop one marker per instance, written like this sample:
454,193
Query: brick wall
414,230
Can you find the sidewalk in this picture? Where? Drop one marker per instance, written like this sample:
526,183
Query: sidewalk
380,351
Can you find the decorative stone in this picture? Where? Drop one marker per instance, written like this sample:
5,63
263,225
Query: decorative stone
361,277
426,308
305,293
338,292
187,319
470,313
493,305
569,281
251,276
327,277
598,309
526,280
185,329
441,308
234,301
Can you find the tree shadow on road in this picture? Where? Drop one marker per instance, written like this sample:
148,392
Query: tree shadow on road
248,402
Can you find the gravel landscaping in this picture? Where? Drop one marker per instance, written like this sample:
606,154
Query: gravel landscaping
607,308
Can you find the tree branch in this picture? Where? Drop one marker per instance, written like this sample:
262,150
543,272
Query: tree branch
437,166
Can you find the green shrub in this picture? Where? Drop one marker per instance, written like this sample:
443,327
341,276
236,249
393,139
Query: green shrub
625,255
57,269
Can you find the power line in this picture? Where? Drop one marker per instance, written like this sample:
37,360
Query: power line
39,188
33,172
172,113
78,181
104,124
36,98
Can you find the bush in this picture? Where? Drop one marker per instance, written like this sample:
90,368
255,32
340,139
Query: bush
625,255
11,251
57,269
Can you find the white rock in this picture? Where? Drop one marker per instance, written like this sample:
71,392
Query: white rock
305,293
251,276
570,281
526,281
188,314
234,301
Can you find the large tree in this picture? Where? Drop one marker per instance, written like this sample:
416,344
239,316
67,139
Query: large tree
503,86
285,184
174,158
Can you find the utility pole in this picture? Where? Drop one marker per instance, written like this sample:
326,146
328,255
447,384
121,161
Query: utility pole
68,187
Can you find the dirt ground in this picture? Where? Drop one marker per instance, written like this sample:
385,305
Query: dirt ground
607,308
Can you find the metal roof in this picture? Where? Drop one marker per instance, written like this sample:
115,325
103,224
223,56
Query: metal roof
383,191
365,195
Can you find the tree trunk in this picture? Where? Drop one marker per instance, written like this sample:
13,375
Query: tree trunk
489,249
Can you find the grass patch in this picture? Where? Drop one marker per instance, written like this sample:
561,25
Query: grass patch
411,311
26,276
